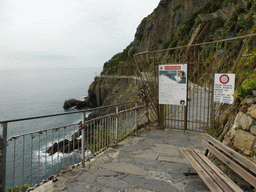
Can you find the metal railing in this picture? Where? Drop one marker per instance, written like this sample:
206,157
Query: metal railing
203,61
33,157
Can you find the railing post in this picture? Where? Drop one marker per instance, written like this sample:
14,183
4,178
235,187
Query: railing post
83,139
3,144
136,117
116,131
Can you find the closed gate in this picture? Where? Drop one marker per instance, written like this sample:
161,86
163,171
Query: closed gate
196,115
203,61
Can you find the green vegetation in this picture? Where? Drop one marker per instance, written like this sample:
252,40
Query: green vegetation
173,44
126,57
187,26
246,88
239,127
212,133
16,188
166,44
177,7
101,139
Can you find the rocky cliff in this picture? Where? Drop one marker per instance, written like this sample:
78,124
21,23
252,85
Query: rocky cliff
181,22
155,31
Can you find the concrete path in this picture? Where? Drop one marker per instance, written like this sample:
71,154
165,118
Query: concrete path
147,162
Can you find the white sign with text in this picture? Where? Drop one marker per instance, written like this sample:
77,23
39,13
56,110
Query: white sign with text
173,84
224,87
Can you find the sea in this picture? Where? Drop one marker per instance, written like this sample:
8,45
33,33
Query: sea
36,92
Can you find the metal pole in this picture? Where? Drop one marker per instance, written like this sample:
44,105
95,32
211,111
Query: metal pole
162,118
186,107
212,115
116,132
3,144
83,140
136,117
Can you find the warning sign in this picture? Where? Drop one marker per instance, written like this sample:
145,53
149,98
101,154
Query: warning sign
224,86
173,84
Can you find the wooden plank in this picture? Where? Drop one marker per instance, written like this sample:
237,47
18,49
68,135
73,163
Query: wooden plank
235,155
233,165
204,176
224,177
211,172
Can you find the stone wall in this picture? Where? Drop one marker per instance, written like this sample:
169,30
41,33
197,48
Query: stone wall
242,135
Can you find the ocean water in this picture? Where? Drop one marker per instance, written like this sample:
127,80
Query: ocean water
36,92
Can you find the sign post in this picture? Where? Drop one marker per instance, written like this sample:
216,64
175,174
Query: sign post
173,87
173,84
224,87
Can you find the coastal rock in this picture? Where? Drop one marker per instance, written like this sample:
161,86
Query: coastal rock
74,103
64,146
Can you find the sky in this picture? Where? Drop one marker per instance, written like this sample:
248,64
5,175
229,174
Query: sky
67,33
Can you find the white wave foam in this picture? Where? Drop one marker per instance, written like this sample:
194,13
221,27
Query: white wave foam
83,98
43,157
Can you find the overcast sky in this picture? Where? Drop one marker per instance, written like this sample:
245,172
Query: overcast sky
67,33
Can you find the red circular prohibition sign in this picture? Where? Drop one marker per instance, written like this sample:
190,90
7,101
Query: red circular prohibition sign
224,79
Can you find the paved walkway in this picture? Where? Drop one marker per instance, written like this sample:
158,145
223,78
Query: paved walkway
147,162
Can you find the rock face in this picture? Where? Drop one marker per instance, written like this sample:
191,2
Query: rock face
252,111
107,91
244,120
244,142
163,22
242,135
153,31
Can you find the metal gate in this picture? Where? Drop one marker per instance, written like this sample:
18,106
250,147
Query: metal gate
203,61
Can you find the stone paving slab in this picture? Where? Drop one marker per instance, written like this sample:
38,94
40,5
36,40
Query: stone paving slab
147,162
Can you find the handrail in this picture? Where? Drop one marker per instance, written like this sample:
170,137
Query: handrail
67,113
92,136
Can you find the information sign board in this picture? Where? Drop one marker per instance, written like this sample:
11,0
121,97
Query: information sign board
224,86
173,84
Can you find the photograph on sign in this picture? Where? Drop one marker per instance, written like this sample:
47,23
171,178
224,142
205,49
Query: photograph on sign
173,84
224,87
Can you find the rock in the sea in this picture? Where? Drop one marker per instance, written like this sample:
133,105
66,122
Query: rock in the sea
74,103
64,146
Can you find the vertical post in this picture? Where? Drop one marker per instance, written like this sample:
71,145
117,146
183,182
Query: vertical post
83,139
136,117
3,144
116,131
186,107
212,115
161,117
